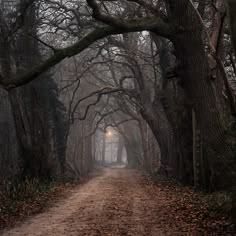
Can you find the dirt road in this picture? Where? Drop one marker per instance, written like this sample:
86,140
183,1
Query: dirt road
113,203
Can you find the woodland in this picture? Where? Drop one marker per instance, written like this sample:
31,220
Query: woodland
160,75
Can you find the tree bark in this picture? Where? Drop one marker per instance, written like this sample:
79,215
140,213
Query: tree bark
232,16
120,149
193,69
156,118
103,148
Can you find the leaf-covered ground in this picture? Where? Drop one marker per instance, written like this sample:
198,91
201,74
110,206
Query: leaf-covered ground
18,203
124,202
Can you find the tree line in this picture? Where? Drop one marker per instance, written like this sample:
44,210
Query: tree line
162,73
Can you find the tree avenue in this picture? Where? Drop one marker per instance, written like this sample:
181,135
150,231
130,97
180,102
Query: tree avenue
161,73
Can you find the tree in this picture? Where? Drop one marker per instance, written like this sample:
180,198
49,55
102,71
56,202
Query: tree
36,110
232,13
199,71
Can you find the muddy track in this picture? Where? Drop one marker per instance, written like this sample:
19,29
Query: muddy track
112,203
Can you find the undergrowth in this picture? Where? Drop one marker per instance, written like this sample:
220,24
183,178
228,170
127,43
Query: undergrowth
21,199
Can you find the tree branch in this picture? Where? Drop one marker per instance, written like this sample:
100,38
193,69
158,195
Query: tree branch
101,92
19,22
153,24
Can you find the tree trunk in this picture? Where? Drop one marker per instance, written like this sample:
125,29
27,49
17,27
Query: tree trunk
146,151
178,112
120,149
156,118
232,16
103,148
132,143
197,80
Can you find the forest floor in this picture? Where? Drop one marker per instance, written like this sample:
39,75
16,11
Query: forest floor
119,201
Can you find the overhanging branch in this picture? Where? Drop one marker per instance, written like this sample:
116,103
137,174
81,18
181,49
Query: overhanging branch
133,25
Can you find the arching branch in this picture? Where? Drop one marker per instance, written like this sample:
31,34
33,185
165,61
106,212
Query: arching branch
130,25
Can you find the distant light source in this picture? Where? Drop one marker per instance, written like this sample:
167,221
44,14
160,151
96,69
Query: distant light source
108,133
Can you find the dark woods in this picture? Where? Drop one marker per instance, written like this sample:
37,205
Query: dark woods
159,74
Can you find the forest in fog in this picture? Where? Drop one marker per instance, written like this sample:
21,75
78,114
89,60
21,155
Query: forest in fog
149,84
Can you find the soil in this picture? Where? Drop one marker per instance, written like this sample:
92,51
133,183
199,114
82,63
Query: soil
117,201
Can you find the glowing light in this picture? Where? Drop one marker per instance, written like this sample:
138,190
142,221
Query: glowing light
109,133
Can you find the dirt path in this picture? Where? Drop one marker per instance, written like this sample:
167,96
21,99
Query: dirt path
113,203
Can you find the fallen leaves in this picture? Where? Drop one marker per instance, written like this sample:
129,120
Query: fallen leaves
183,204
17,205
123,202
